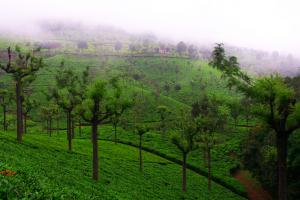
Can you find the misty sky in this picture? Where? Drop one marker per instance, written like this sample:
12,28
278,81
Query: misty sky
262,24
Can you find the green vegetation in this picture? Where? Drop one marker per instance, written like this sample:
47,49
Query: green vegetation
138,124
55,173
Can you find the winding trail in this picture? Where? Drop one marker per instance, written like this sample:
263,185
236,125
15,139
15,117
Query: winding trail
189,166
254,190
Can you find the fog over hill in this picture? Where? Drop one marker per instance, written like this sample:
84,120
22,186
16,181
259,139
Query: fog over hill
263,34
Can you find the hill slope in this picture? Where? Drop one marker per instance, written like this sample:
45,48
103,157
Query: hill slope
45,170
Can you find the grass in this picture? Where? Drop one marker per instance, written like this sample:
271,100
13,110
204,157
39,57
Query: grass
222,161
45,170
195,79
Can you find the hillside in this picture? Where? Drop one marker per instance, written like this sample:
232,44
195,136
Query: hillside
175,82
44,170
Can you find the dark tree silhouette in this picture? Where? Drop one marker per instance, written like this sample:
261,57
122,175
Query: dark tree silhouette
276,102
181,47
118,46
82,45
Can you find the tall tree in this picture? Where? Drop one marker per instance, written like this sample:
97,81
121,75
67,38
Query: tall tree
24,66
67,95
275,102
208,122
184,141
95,110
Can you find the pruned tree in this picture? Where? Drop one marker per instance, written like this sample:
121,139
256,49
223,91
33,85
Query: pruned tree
95,110
25,66
208,122
67,95
141,130
184,141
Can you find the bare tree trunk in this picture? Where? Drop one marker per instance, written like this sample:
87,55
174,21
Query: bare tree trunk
50,126
95,151
25,123
57,125
184,173
140,154
4,118
47,126
79,127
209,168
19,112
73,128
205,158
69,132
282,139
115,130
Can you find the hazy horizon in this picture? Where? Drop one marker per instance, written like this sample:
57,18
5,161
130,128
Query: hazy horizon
266,25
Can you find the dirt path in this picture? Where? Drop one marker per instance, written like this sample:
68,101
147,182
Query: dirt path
254,190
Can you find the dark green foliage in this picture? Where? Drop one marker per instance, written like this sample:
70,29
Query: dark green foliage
276,106
259,156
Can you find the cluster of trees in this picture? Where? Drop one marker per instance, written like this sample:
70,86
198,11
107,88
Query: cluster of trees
197,130
274,102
